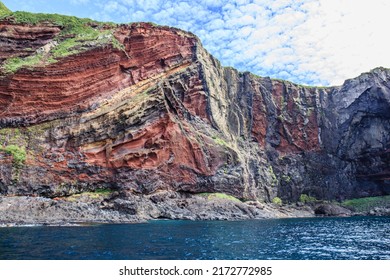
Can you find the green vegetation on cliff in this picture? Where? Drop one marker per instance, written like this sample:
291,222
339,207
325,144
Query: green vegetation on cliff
275,180
68,24
4,10
212,196
77,35
18,154
219,141
95,195
367,203
10,136
304,198
276,200
14,63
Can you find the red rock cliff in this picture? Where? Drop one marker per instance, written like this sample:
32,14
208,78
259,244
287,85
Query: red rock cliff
140,108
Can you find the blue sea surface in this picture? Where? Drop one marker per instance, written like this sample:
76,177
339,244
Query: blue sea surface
351,238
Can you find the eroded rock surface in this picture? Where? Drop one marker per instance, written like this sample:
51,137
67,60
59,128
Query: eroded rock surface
160,114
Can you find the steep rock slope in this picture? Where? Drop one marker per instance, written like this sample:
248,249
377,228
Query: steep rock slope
143,109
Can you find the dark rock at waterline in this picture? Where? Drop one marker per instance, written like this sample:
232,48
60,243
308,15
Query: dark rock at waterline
135,209
328,209
379,211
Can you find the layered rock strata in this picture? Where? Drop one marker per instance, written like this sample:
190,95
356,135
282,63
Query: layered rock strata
159,114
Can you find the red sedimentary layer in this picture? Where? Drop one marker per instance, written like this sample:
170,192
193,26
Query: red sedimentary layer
78,81
153,50
23,40
72,84
158,142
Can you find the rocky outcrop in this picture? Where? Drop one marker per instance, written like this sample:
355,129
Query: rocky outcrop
149,110
44,211
328,209
17,211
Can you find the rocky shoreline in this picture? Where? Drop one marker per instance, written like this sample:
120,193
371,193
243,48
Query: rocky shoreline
25,211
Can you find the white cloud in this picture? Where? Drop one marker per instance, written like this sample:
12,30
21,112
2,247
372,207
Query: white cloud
341,35
211,3
114,7
216,24
306,41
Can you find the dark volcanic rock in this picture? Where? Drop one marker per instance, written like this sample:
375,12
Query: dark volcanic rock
328,209
379,211
33,210
134,209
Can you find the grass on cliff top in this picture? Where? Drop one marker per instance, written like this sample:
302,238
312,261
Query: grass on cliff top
4,10
367,203
68,24
77,35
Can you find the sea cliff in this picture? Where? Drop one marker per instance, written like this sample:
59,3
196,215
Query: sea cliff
124,123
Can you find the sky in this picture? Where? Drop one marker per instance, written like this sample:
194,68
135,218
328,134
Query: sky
312,42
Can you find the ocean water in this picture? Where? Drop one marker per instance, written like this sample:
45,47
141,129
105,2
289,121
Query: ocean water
289,239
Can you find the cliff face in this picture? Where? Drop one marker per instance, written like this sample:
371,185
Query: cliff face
149,110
